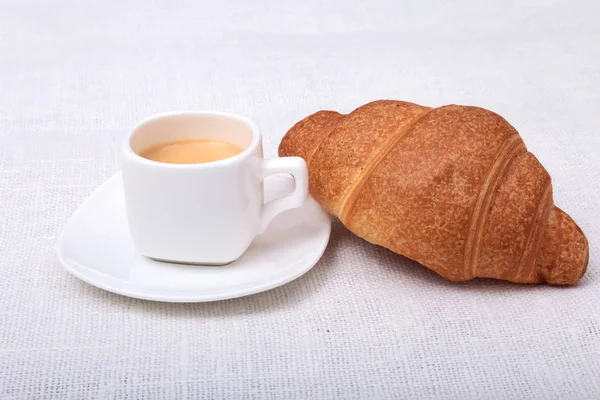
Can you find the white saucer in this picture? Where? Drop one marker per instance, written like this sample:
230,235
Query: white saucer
95,247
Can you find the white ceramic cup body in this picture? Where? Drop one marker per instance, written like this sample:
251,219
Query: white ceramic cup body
205,213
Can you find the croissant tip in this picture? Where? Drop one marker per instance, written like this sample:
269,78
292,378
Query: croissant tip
566,254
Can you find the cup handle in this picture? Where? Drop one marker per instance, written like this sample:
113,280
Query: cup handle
295,166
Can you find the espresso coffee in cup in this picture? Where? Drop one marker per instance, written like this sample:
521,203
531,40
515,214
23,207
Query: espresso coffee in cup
191,151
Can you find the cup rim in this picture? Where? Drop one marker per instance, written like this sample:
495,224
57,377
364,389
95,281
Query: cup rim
256,139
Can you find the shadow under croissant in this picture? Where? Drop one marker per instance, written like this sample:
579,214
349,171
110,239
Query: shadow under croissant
409,270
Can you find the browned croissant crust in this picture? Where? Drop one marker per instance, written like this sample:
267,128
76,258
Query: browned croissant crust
453,188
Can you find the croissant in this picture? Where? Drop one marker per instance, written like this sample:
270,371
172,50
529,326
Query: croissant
453,188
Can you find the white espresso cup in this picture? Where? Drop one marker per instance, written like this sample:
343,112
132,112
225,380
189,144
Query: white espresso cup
206,213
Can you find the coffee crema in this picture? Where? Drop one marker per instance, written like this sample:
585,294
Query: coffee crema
191,151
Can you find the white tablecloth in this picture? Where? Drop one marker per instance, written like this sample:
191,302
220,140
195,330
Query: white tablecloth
75,76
